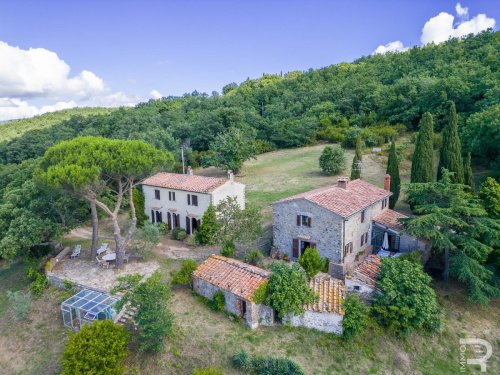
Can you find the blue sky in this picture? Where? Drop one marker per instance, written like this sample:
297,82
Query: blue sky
134,47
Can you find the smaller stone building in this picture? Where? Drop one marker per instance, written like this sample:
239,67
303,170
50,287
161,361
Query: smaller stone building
326,314
238,281
363,279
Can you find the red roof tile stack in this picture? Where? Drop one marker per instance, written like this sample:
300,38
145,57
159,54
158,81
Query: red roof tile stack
390,219
331,294
177,181
232,275
344,202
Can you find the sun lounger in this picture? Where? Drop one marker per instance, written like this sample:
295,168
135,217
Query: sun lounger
76,252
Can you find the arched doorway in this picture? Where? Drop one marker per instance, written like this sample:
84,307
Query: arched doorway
195,224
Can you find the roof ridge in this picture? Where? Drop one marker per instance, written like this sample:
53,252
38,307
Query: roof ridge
248,267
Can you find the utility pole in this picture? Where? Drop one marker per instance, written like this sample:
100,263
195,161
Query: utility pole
182,157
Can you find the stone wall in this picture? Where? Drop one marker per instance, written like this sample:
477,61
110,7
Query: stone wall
58,282
325,230
364,291
321,321
255,315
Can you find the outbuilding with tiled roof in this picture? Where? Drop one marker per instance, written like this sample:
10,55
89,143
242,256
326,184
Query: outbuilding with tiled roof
363,279
326,314
238,281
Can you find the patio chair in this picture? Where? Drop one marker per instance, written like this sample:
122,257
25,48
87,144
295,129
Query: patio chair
125,257
102,263
102,249
76,252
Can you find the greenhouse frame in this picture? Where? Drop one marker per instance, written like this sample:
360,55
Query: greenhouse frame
86,306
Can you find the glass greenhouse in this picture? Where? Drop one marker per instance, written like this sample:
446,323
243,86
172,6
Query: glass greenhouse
86,306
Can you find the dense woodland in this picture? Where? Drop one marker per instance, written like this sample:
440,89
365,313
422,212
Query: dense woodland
375,97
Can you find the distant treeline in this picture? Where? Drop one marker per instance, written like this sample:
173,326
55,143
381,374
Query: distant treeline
366,97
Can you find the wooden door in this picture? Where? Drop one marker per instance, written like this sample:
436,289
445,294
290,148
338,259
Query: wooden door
295,248
188,226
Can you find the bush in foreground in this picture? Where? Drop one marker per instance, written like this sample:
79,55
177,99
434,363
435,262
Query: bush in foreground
21,303
265,365
98,348
218,301
355,318
407,302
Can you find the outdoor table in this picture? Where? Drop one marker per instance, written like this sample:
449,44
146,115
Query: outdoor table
108,257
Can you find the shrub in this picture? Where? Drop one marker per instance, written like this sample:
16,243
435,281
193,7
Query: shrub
288,289
265,365
183,276
162,228
371,138
332,160
207,235
311,262
218,301
147,237
260,294
351,137
254,257
179,234
242,360
325,265
38,286
355,318
228,250
21,303
153,315
207,371
98,348
407,302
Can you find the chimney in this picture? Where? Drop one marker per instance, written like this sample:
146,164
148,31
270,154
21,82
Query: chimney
230,175
342,182
387,182
189,170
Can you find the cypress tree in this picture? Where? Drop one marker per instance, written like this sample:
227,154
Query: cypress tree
393,171
422,166
356,170
451,150
207,234
468,177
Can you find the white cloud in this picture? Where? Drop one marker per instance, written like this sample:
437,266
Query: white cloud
396,46
440,28
155,94
462,12
40,72
11,108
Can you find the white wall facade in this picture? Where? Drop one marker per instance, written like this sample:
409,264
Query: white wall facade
181,207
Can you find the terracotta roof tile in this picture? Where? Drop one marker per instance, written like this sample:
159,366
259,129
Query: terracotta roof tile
237,277
390,218
344,202
367,271
331,294
177,181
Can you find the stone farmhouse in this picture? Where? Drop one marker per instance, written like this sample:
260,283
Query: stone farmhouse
238,281
180,200
344,222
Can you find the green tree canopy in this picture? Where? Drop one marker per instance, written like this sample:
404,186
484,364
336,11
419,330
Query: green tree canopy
422,166
332,160
407,302
393,171
451,148
468,175
231,149
98,348
356,161
92,166
490,197
458,227
288,289
356,316
207,234
311,262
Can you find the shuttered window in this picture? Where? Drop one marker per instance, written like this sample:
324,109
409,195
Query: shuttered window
171,195
157,194
192,200
363,216
295,248
304,221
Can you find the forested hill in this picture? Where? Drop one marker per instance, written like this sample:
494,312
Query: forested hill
370,95
16,128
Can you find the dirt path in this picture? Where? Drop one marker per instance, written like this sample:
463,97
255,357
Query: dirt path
178,250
